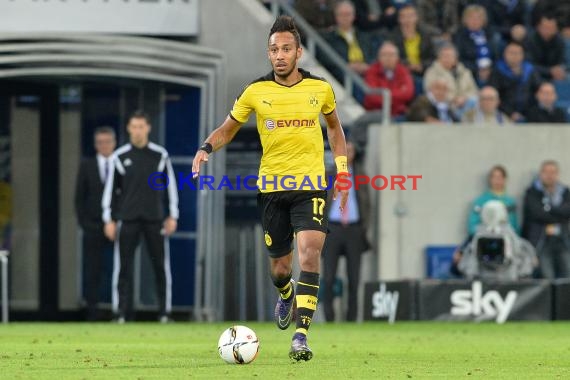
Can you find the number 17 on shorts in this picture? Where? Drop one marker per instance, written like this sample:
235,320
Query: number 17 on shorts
318,210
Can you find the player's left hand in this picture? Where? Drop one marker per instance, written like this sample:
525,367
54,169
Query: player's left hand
343,198
169,226
343,194
201,156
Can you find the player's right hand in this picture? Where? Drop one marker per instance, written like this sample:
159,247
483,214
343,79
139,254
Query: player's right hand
110,230
198,158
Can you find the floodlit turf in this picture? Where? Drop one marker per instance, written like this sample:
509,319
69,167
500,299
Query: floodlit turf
342,351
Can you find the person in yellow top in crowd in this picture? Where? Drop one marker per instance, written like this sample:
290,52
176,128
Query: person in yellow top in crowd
287,103
354,46
417,51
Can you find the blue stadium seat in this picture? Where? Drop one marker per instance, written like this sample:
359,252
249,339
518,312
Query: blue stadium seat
439,259
562,89
564,104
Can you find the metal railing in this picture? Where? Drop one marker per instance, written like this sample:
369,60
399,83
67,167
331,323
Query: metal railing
4,286
314,41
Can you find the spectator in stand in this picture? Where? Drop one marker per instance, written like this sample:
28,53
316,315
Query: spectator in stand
546,49
475,42
496,180
318,13
516,80
545,111
462,89
434,106
389,73
546,217
507,17
354,46
375,15
559,8
441,15
413,41
487,113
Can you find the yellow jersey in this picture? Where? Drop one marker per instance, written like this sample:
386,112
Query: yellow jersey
289,128
412,47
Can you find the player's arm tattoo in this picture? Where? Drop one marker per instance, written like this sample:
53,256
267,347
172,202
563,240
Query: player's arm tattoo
218,142
223,134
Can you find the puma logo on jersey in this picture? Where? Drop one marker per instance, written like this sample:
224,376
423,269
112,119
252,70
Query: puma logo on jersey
267,102
318,220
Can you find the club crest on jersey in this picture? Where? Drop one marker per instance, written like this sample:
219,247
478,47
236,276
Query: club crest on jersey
313,100
127,162
268,240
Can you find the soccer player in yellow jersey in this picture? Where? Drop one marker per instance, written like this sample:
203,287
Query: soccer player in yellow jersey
292,194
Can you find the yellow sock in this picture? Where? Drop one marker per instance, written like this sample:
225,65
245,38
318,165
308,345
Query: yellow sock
307,290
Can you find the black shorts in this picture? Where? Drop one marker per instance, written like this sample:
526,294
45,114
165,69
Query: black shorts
284,213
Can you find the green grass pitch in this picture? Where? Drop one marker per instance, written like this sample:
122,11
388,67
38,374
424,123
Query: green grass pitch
342,351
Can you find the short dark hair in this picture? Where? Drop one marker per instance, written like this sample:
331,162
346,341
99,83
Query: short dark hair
285,24
104,130
408,6
550,16
139,114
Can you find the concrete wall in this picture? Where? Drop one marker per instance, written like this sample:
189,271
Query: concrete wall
240,30
454,161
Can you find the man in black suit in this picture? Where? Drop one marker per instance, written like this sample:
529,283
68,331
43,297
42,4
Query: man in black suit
88,195
347,237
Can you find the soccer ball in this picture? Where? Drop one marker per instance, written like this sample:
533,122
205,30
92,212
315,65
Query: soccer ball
238,345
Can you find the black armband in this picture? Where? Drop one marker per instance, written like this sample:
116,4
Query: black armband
207,147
